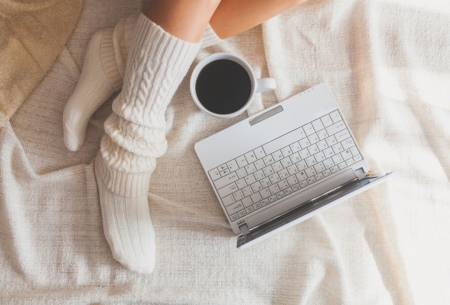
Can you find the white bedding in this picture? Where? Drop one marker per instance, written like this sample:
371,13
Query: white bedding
388,65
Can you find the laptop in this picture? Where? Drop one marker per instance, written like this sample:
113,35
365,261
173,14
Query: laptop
282,166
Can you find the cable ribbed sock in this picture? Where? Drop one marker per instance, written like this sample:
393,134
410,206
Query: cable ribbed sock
102,75
135,137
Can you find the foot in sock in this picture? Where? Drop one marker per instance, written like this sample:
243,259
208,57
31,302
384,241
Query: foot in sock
135,137
102,75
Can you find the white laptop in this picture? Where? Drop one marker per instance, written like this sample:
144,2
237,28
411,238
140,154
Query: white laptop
282,166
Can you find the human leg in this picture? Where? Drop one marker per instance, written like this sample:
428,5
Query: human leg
135,131
106,57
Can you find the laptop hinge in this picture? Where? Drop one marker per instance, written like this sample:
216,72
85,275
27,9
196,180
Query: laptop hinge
244,229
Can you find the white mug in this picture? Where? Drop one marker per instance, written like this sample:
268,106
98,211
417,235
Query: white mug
257,85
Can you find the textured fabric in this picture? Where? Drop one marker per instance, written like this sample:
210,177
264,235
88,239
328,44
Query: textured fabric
32,35
388,65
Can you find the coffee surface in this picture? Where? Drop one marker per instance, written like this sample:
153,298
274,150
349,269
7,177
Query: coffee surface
223,86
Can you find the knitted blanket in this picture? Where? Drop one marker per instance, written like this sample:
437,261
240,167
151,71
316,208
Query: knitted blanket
387,63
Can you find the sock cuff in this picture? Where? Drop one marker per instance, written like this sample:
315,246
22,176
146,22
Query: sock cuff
122,183
108,59
209,38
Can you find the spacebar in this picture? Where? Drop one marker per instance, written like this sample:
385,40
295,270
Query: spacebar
298,198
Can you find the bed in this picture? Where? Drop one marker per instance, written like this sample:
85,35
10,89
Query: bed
387,63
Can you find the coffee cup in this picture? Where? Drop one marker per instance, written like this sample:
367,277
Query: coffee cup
223,85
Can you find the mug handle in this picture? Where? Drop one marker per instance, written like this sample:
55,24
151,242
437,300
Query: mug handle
265,84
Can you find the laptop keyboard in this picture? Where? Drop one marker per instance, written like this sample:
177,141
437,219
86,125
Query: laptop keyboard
285,165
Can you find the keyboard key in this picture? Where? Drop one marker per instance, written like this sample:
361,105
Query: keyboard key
313,149
311,180
232,166
337,148
247,202
242,213
311,161
241,183
331,141
318,176
249,209
219,183
310,171
274,189
277,166
283,184
286,162
292,180
303,183
222,167
334,169
295,187
274,178
342,165
268,160
337,159
357,158
313,138
332,129
328,163
342,135
304,142
322,145
319,156
241,161
350,161
301,176
273,198
286,151
295,158
256,187
238,195
250,179
228,200
280,195
277,156
326,120
241,173
268,171
247,191
259,153
335,116
309,130
287,191
258,205
234,216
329,152
301,165
250,168
256,197
214,174
250,156
259,175
346,154
300,133
224,172
295,147
322,134
319,167
233,208
347,143
304,153
265,193
326,173
283,173
265,182
259,164
354,151
317,124
292,170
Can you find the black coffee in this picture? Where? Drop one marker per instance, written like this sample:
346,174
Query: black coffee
223,86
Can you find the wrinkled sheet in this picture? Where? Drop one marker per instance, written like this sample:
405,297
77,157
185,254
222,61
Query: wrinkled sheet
388,65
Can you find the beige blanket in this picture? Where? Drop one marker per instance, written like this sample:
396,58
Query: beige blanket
387,63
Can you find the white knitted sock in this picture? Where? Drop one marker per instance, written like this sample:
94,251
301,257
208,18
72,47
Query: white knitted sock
102,74
135,137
